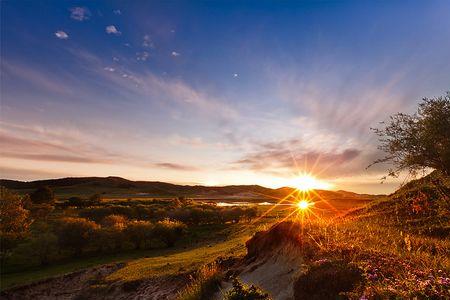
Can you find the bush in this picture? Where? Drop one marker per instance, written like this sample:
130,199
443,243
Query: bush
43,195
205,285
108,239
75,233
114,221
42,247
327,280
139,233
242,291
169,231
75,201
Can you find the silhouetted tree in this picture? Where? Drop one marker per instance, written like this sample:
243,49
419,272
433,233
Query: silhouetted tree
95,199
43,195
419,141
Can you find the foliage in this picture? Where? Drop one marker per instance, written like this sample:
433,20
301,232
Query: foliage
169,231
43,195
75,201
114,221
419,141
75,233
42,247
204,285
14,221
138,232
327,279
241,291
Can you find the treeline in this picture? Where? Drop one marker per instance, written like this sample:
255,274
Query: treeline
74,237
37,229
191,214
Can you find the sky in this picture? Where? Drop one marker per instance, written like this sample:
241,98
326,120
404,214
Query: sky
212,92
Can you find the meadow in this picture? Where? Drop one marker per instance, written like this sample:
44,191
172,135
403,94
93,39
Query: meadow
115,246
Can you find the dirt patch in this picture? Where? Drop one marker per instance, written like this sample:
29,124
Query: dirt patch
63,287
91,284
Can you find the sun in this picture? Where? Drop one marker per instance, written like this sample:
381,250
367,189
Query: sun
303,204
308,182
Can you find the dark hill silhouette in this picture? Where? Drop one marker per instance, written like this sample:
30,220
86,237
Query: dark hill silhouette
118,185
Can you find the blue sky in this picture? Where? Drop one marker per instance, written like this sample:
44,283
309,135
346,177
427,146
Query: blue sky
213,92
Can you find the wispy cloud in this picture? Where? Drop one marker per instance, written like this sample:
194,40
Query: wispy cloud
175,54
111,29
80,13
142,56
177,167
61,35
117,12
147,42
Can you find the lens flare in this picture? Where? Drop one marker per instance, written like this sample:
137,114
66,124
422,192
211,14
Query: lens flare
303,204
308,182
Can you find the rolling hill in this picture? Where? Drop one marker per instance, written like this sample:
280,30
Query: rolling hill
117,186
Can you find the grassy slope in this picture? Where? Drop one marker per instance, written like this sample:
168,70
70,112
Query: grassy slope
215,240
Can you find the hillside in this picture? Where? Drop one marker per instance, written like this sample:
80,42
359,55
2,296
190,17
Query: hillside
421,206
117,186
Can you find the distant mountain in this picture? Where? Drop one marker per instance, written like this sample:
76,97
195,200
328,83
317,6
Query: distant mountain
115,186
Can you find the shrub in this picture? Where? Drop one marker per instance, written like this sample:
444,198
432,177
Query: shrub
139,232
115,221
204,286
169,231
75,233
108,239
242,291
42,247
327,280
75,201
43,195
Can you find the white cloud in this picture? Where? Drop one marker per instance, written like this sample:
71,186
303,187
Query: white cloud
117,12
61,35
235,75
111,29
174,53
80,13
109,69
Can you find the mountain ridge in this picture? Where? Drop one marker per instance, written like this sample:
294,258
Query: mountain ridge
119,185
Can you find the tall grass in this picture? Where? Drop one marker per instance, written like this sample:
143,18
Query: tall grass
205,284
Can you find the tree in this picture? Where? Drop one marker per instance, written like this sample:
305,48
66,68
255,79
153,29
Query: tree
43,247
419,141
75,201
14,221
95,199
138,232
169,231
43,195
75,233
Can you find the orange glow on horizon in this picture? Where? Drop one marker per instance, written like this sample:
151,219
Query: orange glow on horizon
307,182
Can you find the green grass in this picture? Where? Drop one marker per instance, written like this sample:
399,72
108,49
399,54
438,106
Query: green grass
202,243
